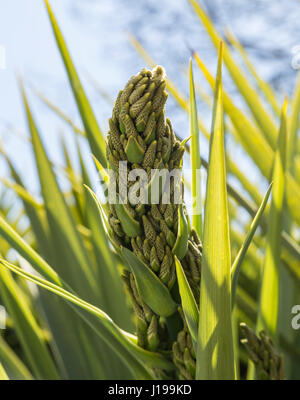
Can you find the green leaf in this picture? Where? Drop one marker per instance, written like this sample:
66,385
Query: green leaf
22,193
106,268
236,266
189,305
264,86
122,343
252,256
103,216
28,331
72,348
183,103
248,135
154,293
134,151
117,339
12,364
269,299
70,256
289,243
113,298
131,227
75,180
293,128
256,145
3,374
250,187
250,95
27,252
60,113
215,357
195,157
93,132
35,213
181,244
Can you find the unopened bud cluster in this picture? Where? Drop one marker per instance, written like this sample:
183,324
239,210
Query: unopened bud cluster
140,135
263,353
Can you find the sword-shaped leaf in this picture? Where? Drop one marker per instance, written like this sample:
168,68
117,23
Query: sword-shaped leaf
123,343
195,157
181,244
264,86
93,132
12,363
293,129
215,356
3,374
250,95
27,329
106,322
236,266
70,256
151,289
189,305
256,145
269,298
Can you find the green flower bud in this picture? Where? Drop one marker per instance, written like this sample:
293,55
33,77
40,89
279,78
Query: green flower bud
263,353
189,362
140,134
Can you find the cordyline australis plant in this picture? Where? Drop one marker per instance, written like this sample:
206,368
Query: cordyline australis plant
189,288
158,236
155,233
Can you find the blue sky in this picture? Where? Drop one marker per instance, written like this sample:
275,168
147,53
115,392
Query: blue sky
96,34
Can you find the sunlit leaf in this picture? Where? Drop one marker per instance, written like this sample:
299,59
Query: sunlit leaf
249,93
264,86
269,299
236,266
3,374
93,132
255,144
189,305
195,157
28,331
215,356
15,368
151,289
293,129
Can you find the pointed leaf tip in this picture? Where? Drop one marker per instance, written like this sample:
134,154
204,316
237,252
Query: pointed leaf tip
284,107
220,60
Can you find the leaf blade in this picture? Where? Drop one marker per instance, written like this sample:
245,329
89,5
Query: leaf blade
28,331
93,132
104,321
189,305
13,365
215,356
235,269
269,300
263,119
195,156
148,284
